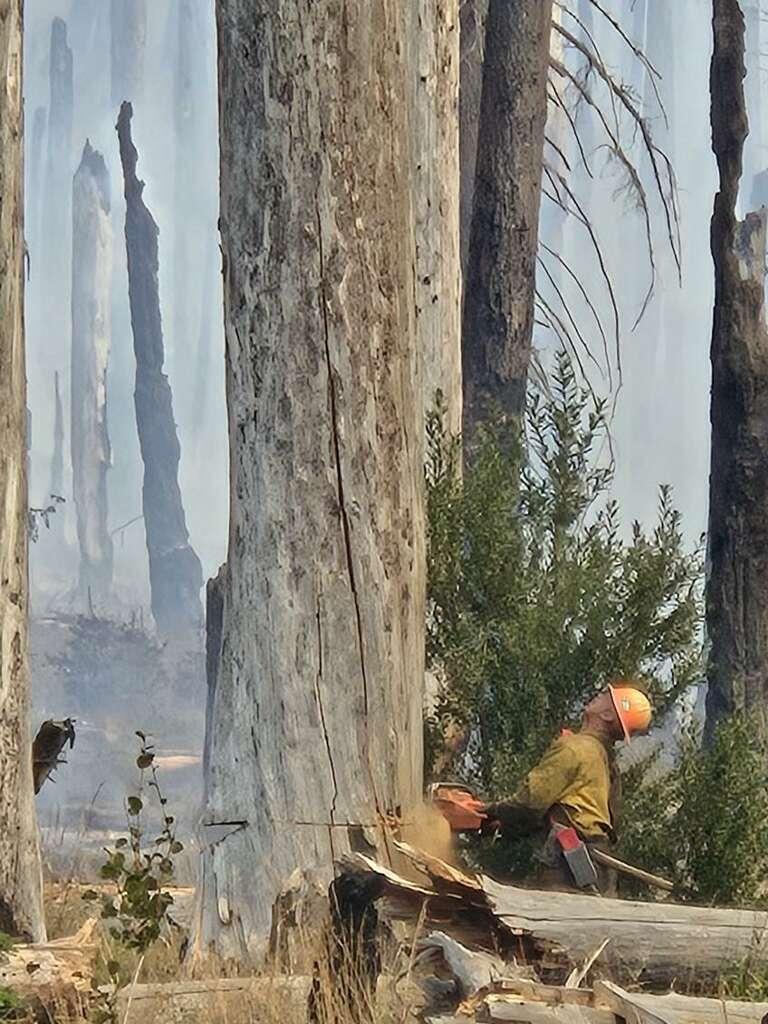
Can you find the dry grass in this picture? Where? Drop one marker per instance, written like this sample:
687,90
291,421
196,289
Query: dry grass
342,995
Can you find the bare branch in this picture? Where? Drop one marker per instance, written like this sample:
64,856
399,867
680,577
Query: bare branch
585,295
621,93
566,307
558,101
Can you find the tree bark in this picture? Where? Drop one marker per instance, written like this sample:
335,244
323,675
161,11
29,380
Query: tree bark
318,689
472,15
128,19
174,569
91,338
737,588
57,459
434,77
501,272
21,897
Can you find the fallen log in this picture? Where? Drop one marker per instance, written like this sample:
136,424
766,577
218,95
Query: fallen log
234,1000
640,1008
655,943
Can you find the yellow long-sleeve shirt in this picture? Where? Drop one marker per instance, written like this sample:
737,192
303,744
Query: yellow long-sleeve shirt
575,775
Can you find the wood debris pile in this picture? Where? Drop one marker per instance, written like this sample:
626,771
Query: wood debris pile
523,956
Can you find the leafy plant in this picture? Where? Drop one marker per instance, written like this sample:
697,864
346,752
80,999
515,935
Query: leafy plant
705,822
11,1005
137,908
536,597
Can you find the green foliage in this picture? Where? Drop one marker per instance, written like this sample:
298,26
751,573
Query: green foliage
137,907
6,942
705,822
11,1005
536,598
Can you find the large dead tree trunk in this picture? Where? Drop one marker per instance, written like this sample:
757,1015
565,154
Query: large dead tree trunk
318,686
175,573
434,77
499,294
21,897
472,15
737,588
91,337
57,459
128,20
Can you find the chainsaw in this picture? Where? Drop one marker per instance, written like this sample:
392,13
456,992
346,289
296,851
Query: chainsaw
458,804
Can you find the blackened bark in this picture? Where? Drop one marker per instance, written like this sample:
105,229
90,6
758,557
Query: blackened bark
174,568
472,14
499,294
128,19
737,588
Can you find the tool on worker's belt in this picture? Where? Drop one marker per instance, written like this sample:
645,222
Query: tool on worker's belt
577,857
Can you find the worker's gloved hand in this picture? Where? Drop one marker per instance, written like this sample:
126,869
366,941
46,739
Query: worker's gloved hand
505,815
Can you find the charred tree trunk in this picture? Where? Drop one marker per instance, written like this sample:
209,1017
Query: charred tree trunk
21,896
501,273
318,688
175,573
128,20
57,461
91,338
472,15
434,77
737,588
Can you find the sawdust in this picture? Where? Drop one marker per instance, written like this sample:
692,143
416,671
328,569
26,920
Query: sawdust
429,831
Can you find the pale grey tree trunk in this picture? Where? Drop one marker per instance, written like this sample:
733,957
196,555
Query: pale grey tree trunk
175,573
91,338
737,587
21,897
314,731
57,215
128,20
434,77
501,273
57,459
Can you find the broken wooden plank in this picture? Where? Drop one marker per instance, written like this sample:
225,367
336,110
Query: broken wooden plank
641,1008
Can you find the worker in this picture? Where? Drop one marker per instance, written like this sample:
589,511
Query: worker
576,784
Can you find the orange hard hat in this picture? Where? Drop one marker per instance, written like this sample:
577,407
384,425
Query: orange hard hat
632,707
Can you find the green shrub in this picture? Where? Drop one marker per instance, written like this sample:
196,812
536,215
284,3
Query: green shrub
536,598
705,822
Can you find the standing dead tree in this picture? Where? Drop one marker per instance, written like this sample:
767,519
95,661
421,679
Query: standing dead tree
737,588
57,459
472,14
174,569
128,21
317,666
21,896
91,337
501,268
58,192
434,78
